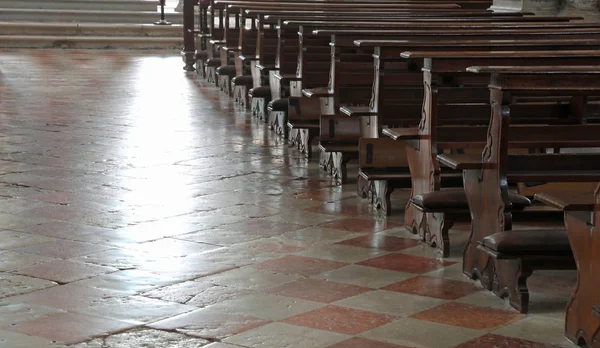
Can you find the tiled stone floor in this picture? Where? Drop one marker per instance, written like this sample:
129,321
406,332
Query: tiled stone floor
139,208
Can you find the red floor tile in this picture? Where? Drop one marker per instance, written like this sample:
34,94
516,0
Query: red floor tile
318,290
306,266
380,242
340,319
468,316
497,341
209,323
441,288
406,263
69,328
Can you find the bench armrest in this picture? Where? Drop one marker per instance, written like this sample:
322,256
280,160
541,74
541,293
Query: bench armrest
231,49
287,77
319,92
217,42
248,58
569,201
357,111
463,162
411,133
265,67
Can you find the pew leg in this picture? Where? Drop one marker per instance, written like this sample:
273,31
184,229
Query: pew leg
437,226
339,168
511,281
259,106
279,125
225,83
483,196
364,188
211,75
293,138
305,144
240,95
382,196
326,160
201,70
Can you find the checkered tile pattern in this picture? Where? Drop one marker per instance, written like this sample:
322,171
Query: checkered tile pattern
139,207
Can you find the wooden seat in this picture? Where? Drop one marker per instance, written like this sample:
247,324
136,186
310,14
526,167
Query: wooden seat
518,253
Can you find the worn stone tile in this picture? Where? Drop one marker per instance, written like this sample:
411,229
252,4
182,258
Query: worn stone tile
342,253
266,306
435,287
209,323
380,301
317,290
313,236
17,340
358,342
497,341
128,282
251,279
537,329
13,260
370,277
13,313
66,297
305,266
13,239
137,338
417,333
65,271
406,263
62,249
13,284
68,328
278,335
134,309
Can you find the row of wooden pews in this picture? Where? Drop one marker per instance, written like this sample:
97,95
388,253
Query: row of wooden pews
486,116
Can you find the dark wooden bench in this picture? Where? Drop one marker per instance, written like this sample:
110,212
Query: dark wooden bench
445,105
581,213
311,73
486,178
351,73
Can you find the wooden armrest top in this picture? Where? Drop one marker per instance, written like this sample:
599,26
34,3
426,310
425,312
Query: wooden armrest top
569,201
587,69
462,162
402,133
248,57
596,310
317,92
500,54
265,66
357,111
217,42
231,48
289,77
